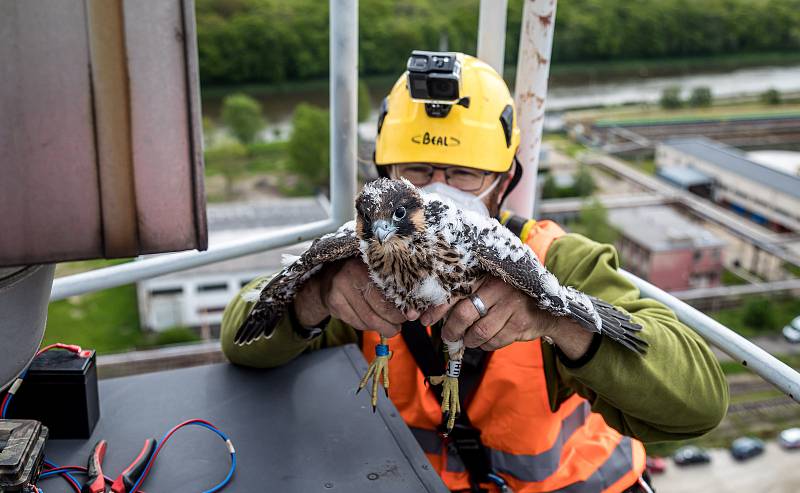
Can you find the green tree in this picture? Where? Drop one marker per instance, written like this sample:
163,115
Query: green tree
364,104
208,129
242,115
671,98
550,189
584,183
700,97
759,314
274,41
309,144
230,160
771,96
593,222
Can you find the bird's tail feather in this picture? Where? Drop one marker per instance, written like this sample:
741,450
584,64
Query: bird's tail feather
615,324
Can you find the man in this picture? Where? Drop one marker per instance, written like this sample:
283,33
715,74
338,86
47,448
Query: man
553,407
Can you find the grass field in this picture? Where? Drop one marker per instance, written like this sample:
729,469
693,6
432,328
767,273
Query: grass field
731,279
107,320
564,144
652,113
783,311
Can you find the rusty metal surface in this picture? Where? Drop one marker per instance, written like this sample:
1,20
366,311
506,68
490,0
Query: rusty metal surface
160,124
113,127
196,115
49,203
99,157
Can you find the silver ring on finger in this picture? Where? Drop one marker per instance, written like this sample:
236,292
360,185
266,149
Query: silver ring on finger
477,302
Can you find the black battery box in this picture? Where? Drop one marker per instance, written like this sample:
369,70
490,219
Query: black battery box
60,390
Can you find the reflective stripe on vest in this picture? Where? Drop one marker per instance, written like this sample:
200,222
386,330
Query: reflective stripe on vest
618,465
530,468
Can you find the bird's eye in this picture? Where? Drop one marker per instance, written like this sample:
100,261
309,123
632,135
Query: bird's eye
399,213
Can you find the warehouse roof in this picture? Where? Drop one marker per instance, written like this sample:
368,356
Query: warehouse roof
683,176
735,161
661,228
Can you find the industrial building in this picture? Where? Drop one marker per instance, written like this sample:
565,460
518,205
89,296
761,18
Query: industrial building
767,195
197,297
667,249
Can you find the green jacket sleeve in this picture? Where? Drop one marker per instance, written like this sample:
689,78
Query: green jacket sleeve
676,391
284,345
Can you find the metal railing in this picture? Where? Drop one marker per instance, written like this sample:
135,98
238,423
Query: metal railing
343,80
737,347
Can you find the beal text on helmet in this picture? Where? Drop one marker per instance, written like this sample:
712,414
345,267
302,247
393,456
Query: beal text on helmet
436,140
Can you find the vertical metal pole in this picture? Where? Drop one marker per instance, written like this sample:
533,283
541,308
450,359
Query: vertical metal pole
343,87
533,68
492,33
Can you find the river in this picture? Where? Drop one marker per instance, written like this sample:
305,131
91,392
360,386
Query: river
278,108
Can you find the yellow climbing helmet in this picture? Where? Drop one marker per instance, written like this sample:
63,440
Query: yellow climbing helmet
477,130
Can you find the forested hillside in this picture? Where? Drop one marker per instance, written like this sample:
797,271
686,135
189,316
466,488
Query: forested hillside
272,41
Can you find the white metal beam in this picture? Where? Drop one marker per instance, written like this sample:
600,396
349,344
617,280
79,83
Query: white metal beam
492,33
147,268
533,69
737,347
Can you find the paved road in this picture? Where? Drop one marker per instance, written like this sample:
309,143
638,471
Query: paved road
775,471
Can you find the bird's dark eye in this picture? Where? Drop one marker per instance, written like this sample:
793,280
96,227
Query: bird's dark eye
399,213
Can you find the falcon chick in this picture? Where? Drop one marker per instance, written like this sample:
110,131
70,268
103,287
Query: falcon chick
421,251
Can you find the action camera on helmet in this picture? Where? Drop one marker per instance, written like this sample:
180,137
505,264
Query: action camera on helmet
434,77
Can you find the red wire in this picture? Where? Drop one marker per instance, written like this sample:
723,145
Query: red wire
69,347
66,469
166,438
82,469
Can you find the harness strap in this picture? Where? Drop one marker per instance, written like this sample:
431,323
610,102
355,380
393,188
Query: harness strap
519,225
464,439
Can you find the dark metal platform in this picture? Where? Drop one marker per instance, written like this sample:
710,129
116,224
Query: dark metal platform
298,428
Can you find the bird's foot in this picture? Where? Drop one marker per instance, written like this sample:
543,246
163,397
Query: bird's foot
451,405
379,371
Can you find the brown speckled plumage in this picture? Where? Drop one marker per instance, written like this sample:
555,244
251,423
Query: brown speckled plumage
433,252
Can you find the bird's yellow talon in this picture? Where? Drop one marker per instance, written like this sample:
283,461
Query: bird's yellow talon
451,406
379,372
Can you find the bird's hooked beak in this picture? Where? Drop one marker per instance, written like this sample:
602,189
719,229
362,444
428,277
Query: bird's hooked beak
383,230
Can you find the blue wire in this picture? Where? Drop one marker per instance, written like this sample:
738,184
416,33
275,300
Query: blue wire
5,407
54,465
11,396
219,486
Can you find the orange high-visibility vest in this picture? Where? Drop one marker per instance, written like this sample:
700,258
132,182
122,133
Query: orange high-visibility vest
533,448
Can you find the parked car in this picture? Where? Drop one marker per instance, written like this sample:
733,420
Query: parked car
790,439
656,465
746,447
791,332
691,454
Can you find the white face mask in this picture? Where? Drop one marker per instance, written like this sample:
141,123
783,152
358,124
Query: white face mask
464,200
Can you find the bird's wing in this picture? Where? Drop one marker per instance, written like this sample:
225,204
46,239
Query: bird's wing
281,289
501,253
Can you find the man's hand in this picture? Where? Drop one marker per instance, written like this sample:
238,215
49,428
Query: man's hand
345,291
511,316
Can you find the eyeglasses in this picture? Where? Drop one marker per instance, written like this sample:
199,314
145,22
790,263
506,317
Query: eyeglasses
464,179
